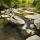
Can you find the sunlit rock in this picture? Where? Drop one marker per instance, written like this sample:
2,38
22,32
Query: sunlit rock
35,37
5,16
30,16
28,11
2,12
29,31
17,19
33,16
8,19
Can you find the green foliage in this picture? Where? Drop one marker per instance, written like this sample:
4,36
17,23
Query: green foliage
15,3
1,23
3,4
12,3
19,3
27,3
38,5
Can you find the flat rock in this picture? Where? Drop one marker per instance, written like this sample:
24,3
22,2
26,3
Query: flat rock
36,16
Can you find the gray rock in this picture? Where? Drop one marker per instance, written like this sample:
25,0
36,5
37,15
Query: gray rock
7,11
35,37
15,11
37,23
32,26
36,16
17,19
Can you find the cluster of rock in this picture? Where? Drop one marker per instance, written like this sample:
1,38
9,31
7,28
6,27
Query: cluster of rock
30,21
10,14
36,18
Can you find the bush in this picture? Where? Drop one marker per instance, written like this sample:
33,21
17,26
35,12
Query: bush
15,3
38,5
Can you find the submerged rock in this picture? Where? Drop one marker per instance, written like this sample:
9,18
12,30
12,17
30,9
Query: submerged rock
32,26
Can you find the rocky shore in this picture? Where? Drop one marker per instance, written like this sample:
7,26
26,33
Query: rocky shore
26,21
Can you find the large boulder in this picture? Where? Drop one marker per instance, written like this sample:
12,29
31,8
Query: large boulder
35,37
17,19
